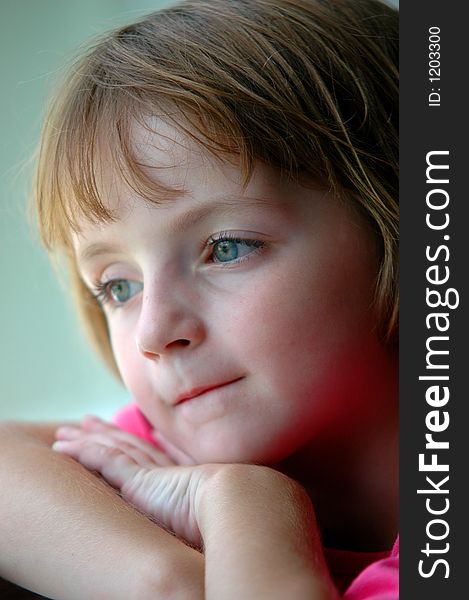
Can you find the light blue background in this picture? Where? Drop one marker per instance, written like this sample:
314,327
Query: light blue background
47,371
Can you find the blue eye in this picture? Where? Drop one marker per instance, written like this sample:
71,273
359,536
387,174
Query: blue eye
117,291
227,249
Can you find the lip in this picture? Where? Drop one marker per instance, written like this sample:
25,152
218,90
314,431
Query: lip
199,391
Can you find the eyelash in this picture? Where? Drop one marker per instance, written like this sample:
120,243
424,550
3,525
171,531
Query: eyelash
101,288
101,291
227,236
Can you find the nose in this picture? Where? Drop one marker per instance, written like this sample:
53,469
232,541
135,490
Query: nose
166,326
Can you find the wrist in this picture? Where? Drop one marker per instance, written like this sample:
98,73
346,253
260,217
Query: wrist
259,522
241,490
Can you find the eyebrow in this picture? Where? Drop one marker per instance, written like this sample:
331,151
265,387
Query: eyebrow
222,205
96,249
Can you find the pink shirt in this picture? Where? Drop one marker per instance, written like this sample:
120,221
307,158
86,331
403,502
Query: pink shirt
363,576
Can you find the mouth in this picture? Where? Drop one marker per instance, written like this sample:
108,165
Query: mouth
199,391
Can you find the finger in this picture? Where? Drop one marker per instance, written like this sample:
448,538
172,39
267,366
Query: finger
68,433
142,454
176,454
114,465
95,424
109,435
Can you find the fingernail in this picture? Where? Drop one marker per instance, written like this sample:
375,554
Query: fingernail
59,445
64,430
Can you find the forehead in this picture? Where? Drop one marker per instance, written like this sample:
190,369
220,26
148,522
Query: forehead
178,169
188,185
154,140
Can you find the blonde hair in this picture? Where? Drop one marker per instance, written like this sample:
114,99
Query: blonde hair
306,86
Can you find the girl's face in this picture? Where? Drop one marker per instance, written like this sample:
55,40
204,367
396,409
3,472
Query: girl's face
241,321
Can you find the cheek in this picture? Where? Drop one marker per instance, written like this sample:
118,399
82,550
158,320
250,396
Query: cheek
307,323
128,358
299,309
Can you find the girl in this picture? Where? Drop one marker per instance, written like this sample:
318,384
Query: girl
222,177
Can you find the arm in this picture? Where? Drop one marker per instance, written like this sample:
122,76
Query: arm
65,533
257,526
260,537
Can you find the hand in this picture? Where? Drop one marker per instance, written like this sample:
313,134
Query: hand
254,521
146,477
